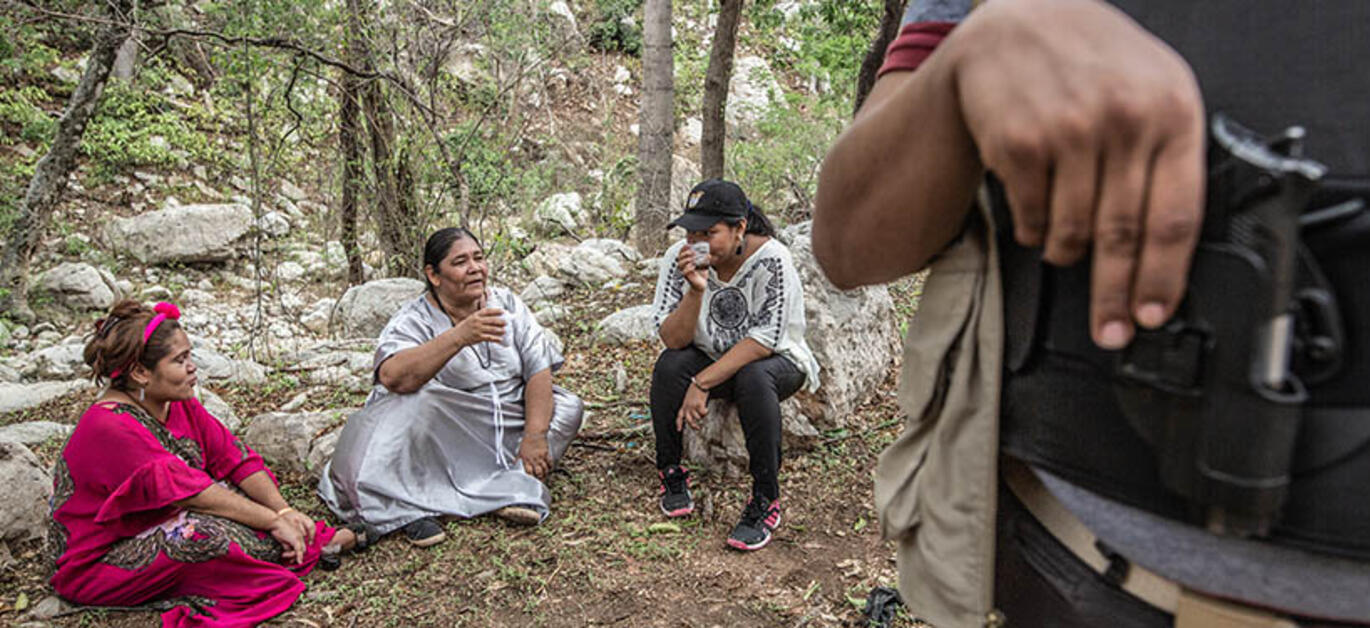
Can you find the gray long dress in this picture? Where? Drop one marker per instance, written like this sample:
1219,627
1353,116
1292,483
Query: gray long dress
451,447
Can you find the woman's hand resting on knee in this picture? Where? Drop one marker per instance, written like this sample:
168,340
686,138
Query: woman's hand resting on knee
537,460
692,409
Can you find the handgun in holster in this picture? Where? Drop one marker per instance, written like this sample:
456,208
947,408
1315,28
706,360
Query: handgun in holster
1218,390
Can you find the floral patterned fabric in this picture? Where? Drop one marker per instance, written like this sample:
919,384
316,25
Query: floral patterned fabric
118,539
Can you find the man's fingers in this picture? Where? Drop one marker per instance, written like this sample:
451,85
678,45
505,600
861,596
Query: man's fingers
1117,238
1174,217
1073,191
1023,169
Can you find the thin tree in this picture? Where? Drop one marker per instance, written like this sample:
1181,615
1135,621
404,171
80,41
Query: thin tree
656,128
716,89
49,180
349,130
889,27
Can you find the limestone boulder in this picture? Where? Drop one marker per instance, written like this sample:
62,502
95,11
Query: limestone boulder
320,452
203,233
215,366
18,397
80,286
220,409
364,310
59,362
284,439
542,291
750,91
24,510
34,432
560,213
634,324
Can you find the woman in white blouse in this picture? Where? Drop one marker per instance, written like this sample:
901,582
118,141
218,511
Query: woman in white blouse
730,309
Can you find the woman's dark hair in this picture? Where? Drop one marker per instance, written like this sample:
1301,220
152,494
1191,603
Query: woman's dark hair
435,250
757,223
117,343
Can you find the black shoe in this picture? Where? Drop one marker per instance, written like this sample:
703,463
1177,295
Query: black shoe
424,532
759,518
675,492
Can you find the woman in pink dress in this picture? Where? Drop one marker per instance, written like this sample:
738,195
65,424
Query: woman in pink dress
155,501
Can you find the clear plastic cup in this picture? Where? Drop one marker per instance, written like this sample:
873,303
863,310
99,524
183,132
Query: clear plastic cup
701,250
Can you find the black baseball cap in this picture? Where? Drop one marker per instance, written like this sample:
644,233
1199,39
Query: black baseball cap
710,202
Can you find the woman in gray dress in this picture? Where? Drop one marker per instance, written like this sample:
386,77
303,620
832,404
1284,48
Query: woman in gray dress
463,419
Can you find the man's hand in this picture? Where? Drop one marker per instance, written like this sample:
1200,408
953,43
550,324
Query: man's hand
1096,129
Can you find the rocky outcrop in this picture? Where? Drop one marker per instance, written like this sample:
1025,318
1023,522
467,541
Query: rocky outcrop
24,510
284,439
17,397
34,432
364,310
560,213
626,326
203,233
80,286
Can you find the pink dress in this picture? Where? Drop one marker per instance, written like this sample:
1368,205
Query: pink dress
118,539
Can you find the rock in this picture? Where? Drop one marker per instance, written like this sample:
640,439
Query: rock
292,191
24,510
320,452
316,318
59,362
541,291
560,212
364,310
34,432
750,91
563,20
66,74
613,248
216,406
685,174
547,259
274,224
552,314
854,337
216,366
203,233
692,131
289,271
634,324
720,447
16,397
8,375
51,607
284,439
195,297
463,64
80,286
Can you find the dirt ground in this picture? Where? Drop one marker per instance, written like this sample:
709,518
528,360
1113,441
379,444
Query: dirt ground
594,562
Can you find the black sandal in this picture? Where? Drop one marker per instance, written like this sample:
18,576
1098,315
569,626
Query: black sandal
330,561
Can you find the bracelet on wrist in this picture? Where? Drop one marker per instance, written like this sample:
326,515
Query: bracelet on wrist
694,382
283,511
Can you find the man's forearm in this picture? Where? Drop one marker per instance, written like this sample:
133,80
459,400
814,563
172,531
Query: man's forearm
262,490
896,185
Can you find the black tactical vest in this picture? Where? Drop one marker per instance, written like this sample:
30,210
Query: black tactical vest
1268,65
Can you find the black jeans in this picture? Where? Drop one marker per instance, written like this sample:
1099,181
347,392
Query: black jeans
757,389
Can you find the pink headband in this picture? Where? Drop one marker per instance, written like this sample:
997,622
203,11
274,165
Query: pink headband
164,311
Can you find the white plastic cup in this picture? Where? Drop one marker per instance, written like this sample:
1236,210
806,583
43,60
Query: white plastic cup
701,250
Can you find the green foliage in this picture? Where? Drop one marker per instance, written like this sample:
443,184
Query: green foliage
20,108
779,165
615,27
134,127
23,54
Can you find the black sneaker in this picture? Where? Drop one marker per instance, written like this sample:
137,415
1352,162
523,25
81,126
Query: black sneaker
759,518
424,532
675,492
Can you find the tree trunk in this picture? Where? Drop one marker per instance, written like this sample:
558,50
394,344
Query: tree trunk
656,128
382,136
889,27
50,174
349,130
716,89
